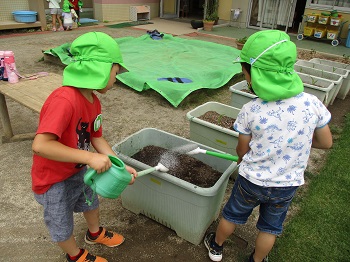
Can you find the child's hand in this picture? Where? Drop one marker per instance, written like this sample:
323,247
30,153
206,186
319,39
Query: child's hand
100,162
133,173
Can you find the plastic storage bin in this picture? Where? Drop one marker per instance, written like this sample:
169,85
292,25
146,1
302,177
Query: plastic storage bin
173,202
345,87
320,32
25,16
335,21
331,34
330,68
324,20
335,78
316,86
312,18
309,30
239,97
215,136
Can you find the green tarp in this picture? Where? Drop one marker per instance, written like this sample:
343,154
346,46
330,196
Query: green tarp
172,66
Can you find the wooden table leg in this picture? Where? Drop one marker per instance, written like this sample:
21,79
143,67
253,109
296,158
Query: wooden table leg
5,118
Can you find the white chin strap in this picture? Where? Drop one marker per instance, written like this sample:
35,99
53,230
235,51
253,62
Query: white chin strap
252,60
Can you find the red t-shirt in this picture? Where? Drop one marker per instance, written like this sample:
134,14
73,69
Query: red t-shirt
69,115
75,4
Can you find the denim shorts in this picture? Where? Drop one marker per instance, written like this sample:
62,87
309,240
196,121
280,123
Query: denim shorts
61,201
274,203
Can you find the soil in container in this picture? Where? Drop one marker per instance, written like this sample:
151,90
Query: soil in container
218,119
181,166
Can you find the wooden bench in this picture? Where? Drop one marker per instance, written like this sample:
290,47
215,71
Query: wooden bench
31,94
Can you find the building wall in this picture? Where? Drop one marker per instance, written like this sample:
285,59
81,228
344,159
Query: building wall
119,10
7,7
225,7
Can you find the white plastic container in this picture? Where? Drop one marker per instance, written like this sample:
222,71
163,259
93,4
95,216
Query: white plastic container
332,69
179,205
335,78
239,97
321,90
212,135
345,88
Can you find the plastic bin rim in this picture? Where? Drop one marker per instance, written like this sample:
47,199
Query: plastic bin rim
23,12
205,123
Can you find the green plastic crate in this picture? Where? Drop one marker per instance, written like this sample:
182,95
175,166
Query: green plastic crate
212,135
179,205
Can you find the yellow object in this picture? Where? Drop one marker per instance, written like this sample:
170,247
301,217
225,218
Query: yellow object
309,31
335,21
324,20
312,18
320,32
331,34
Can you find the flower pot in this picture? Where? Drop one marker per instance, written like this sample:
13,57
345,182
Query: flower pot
208,25
239,45
213,135
335,78
345,87
239,97
319,87
196,24
173,202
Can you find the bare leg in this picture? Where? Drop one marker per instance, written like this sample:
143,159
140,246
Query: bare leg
224,230
92,218
69,246
53,21
263,245
60,21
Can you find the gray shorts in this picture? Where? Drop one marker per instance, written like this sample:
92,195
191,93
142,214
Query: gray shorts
61,201
55,11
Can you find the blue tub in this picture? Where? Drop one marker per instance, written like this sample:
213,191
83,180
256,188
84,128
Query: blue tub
25,16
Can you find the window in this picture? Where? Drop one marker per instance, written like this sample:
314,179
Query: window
341,5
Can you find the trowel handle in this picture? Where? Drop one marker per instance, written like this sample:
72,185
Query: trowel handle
221,155
146,171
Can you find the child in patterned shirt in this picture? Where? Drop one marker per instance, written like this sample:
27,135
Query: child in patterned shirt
276,132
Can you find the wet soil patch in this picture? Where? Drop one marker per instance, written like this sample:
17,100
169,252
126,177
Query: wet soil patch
218,119
181,166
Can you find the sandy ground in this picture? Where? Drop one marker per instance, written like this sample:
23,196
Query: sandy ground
23,235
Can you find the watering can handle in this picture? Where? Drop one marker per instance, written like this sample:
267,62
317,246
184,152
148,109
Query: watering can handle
88,176
146,171
225,156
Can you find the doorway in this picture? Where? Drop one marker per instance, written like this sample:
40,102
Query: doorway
276,14
184,9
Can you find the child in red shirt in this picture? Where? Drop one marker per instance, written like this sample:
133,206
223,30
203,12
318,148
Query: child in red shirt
70,121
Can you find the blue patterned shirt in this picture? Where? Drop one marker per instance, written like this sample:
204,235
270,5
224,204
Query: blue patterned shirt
281,141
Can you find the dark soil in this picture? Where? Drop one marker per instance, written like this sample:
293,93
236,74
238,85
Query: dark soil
218,119
182,166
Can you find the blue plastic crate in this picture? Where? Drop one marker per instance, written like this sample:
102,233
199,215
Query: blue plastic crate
25,16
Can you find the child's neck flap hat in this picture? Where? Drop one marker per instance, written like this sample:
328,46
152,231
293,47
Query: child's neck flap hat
93,53
272,56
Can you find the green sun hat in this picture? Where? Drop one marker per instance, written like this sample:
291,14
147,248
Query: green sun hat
93,55
272,56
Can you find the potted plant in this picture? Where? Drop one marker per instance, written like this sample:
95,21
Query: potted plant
240,42
210,14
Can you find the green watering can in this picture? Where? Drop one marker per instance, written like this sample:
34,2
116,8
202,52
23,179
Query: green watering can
109,184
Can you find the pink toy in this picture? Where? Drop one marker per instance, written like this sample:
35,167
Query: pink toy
10,67
3,74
